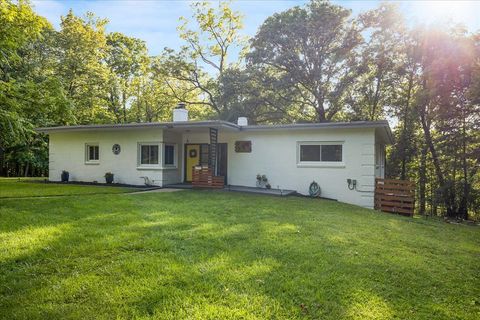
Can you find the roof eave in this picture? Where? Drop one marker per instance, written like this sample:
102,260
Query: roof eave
163,125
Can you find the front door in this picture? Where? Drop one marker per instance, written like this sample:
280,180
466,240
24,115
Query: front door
197,154
192,159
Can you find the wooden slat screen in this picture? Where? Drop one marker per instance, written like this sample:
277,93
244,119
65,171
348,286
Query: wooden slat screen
203,178
396,196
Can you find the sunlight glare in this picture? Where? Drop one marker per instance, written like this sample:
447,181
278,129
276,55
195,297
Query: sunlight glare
441,11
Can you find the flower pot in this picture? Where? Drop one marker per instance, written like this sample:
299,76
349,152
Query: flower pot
65,176
109,179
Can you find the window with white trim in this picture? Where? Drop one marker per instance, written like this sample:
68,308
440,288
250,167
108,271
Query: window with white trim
92,152
148,154
320,152
169,158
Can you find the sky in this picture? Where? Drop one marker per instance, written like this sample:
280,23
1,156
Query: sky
155,22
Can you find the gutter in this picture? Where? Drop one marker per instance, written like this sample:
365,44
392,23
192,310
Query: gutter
226,125
321,125
163,125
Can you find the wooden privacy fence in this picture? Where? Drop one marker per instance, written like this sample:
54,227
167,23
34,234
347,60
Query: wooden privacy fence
397,196
202,177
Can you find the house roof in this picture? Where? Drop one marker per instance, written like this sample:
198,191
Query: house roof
381,125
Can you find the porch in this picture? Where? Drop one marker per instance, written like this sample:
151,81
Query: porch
200,155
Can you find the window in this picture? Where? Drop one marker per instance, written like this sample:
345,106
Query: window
332,152
204,154
148,154
320,152
309,153
92,153
169,155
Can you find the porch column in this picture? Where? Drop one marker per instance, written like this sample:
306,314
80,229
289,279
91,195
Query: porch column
212,154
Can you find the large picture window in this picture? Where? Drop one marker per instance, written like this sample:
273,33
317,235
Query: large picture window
92,153
312,152
157,155
149,154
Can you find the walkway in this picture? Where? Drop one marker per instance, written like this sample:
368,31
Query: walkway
274,192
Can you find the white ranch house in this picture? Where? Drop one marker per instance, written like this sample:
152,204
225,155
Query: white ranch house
290,155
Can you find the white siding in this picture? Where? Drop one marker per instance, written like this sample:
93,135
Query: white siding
67,152
274,154
171,176
379,160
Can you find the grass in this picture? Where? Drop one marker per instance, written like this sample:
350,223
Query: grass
219,255
28,187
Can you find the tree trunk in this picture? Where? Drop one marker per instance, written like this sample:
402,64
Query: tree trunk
403,173
463,207
422,180
445,189
321,117
376,98
2,167
25,174
124,103
433,151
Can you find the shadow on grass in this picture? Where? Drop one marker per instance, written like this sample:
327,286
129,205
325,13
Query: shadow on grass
213,255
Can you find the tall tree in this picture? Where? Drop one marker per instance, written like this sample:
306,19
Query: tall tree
248,92
380,57
81,51
203,60
450,118
30,95
125,56
312,50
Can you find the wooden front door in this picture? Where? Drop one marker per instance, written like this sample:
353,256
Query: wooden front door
192,159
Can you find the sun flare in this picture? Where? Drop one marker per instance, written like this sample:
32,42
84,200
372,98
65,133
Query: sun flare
440,11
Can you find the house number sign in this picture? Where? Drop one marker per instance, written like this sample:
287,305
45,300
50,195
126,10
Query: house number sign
116,148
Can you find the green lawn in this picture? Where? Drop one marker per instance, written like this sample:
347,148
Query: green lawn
220,255
28,187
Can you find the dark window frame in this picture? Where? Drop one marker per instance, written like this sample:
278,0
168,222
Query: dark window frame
172,156
150,155
92,152
307,152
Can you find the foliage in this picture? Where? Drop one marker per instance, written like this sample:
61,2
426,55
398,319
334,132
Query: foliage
200,64
127,59
29,96
252,92
378,71
311,50
82,48
202,255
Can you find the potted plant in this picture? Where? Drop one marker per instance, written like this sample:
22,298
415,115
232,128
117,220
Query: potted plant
65,176
259,180
109,177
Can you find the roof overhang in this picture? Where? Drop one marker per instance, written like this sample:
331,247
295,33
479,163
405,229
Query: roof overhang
217,124
381,127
